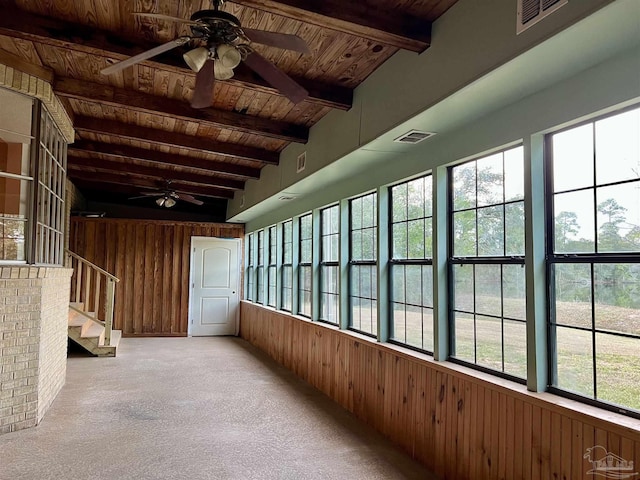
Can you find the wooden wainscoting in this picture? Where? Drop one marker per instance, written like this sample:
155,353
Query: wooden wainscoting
151,259
462,424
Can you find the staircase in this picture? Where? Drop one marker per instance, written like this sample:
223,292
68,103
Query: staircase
90,322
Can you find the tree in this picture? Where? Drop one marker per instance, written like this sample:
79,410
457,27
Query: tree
469,184
566,227
609,238
613,210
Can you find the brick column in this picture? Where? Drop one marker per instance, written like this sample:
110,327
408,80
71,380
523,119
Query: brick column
33,342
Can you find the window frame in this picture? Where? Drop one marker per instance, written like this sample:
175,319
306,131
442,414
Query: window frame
250,272
286,293
260,297
50,147
407,262
481,260
592,259
325,265
351,264
272,262
304,266
28,237
45,219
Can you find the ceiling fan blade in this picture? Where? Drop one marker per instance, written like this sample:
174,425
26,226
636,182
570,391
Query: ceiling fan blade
146,195
203,93
189,198
276,77
116,67
169,18
280,40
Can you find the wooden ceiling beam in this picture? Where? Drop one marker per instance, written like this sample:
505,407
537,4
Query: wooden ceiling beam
111,166
139,182
18,23
143,102
83,147
145,134
18,63
384,25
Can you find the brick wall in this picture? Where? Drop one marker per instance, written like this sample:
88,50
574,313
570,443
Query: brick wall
54,313
33,341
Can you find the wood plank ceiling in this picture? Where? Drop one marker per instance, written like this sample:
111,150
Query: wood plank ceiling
135,129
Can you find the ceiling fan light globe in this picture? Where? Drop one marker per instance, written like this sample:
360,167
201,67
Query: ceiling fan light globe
221,72
196,58
229,56
160,201
169,202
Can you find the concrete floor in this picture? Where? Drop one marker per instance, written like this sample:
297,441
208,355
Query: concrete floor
196,408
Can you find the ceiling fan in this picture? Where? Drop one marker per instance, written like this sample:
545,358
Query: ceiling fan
221,44
168,198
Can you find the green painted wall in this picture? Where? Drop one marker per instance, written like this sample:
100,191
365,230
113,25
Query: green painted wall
479,86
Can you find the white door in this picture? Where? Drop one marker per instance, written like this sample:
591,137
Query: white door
215,296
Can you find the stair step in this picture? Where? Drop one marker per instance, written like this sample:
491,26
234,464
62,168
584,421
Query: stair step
76,319
92,330
90,335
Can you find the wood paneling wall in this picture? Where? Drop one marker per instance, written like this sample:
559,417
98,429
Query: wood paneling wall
461,425
151,259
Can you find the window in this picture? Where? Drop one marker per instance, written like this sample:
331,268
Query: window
33,231
304,266
272,268
260,268
411,270
287,265
15,185
487,262
593,212
363,284
592,237
250,269
329,264
51,175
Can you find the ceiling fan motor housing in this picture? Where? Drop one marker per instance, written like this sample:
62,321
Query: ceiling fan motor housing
217,26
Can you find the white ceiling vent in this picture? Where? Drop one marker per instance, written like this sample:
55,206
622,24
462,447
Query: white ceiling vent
301,163
531,12
287,197
414,136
